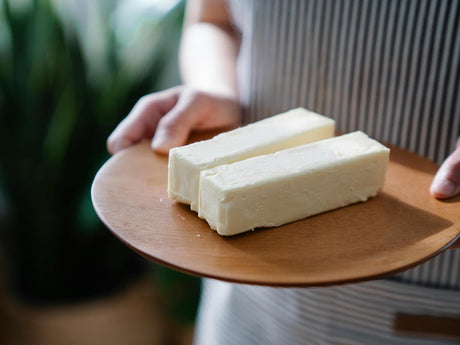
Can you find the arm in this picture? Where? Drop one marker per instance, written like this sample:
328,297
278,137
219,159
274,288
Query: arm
208,98
209,48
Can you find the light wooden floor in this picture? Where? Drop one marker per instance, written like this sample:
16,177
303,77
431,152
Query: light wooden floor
133,317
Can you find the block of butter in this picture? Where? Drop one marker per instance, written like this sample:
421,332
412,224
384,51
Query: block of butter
292,184
295,127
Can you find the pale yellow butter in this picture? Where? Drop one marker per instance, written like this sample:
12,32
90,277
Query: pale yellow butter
292,184
295,127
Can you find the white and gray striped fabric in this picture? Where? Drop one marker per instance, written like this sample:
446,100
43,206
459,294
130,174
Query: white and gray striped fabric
389,68
359,314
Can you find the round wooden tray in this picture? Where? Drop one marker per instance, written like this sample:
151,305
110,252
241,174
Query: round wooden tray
400,228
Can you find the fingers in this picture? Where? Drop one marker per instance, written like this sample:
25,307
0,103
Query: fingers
446,182
174,128
169,116
194,110
142,120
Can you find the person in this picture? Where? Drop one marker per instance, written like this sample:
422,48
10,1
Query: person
388,68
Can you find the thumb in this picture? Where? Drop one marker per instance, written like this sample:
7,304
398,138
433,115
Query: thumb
142,119
446,182
174,127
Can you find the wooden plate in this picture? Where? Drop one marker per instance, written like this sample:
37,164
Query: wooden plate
402,227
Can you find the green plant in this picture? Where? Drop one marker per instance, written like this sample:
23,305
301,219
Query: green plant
54,120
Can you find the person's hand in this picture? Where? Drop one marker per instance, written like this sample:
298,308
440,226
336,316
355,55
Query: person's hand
170,115
446,183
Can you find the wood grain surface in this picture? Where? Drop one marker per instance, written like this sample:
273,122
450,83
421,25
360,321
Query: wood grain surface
402,227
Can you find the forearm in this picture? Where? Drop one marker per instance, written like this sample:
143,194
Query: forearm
209,49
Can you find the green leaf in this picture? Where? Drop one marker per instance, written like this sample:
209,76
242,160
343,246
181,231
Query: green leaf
60,129
87,219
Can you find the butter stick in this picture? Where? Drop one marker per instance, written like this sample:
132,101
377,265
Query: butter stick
292,184
295,127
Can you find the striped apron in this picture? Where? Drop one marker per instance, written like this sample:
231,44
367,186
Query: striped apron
389,68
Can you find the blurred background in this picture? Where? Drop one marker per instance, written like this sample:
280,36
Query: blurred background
70,70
